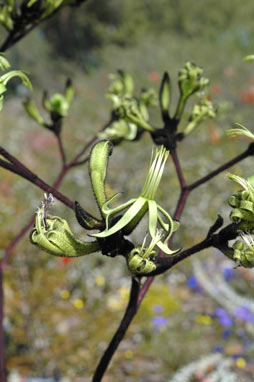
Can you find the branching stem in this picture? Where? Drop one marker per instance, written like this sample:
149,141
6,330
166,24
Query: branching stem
169,262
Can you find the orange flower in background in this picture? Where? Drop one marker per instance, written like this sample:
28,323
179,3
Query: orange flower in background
154,77
229,71
65,260
247,95
214,135
216,89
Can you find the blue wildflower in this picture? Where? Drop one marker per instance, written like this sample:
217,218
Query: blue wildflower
218,349
226,333
193,284
158,309
228,273
159,321
243,313
223,317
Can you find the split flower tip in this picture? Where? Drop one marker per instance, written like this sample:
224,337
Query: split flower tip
53,234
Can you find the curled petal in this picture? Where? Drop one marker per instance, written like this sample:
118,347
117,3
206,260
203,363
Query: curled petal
111,211
53,235
153,218
132,213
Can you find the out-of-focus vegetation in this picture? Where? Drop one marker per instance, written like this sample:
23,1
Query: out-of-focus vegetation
57,311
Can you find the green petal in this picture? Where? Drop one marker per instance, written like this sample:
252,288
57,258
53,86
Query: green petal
17,73
111,211
153,217
125,219
244,183
170,220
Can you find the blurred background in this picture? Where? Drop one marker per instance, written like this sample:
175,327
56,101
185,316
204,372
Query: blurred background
56,310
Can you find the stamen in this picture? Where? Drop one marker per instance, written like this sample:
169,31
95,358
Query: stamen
155,173
248,240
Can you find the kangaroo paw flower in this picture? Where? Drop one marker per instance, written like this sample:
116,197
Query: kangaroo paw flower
53,235
136,208
244,251
141,259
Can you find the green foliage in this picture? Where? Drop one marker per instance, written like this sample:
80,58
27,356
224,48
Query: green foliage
104,23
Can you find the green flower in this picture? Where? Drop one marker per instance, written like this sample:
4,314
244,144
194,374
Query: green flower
190,81
137,207
203,110
5,78
141,259
244,252
119,130
243,203
242,130
32,111
132,112
249,58
53,235
121,85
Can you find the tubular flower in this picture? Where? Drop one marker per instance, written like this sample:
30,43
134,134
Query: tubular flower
242,130
137,207
242,203
140,259
53,235
244,252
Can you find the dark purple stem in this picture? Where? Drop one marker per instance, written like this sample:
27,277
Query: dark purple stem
13,37
178,169
33,178
232,162
130,312
61,150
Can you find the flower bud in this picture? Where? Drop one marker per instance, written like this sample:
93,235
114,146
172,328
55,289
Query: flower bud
32,111
190,79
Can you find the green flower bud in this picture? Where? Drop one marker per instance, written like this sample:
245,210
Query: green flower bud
165,96
200,112
119,130
190,81
5,17
86,220
98,163
32,111
69,91
121,85
249,58
4,64
148,97
129,111
59,104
